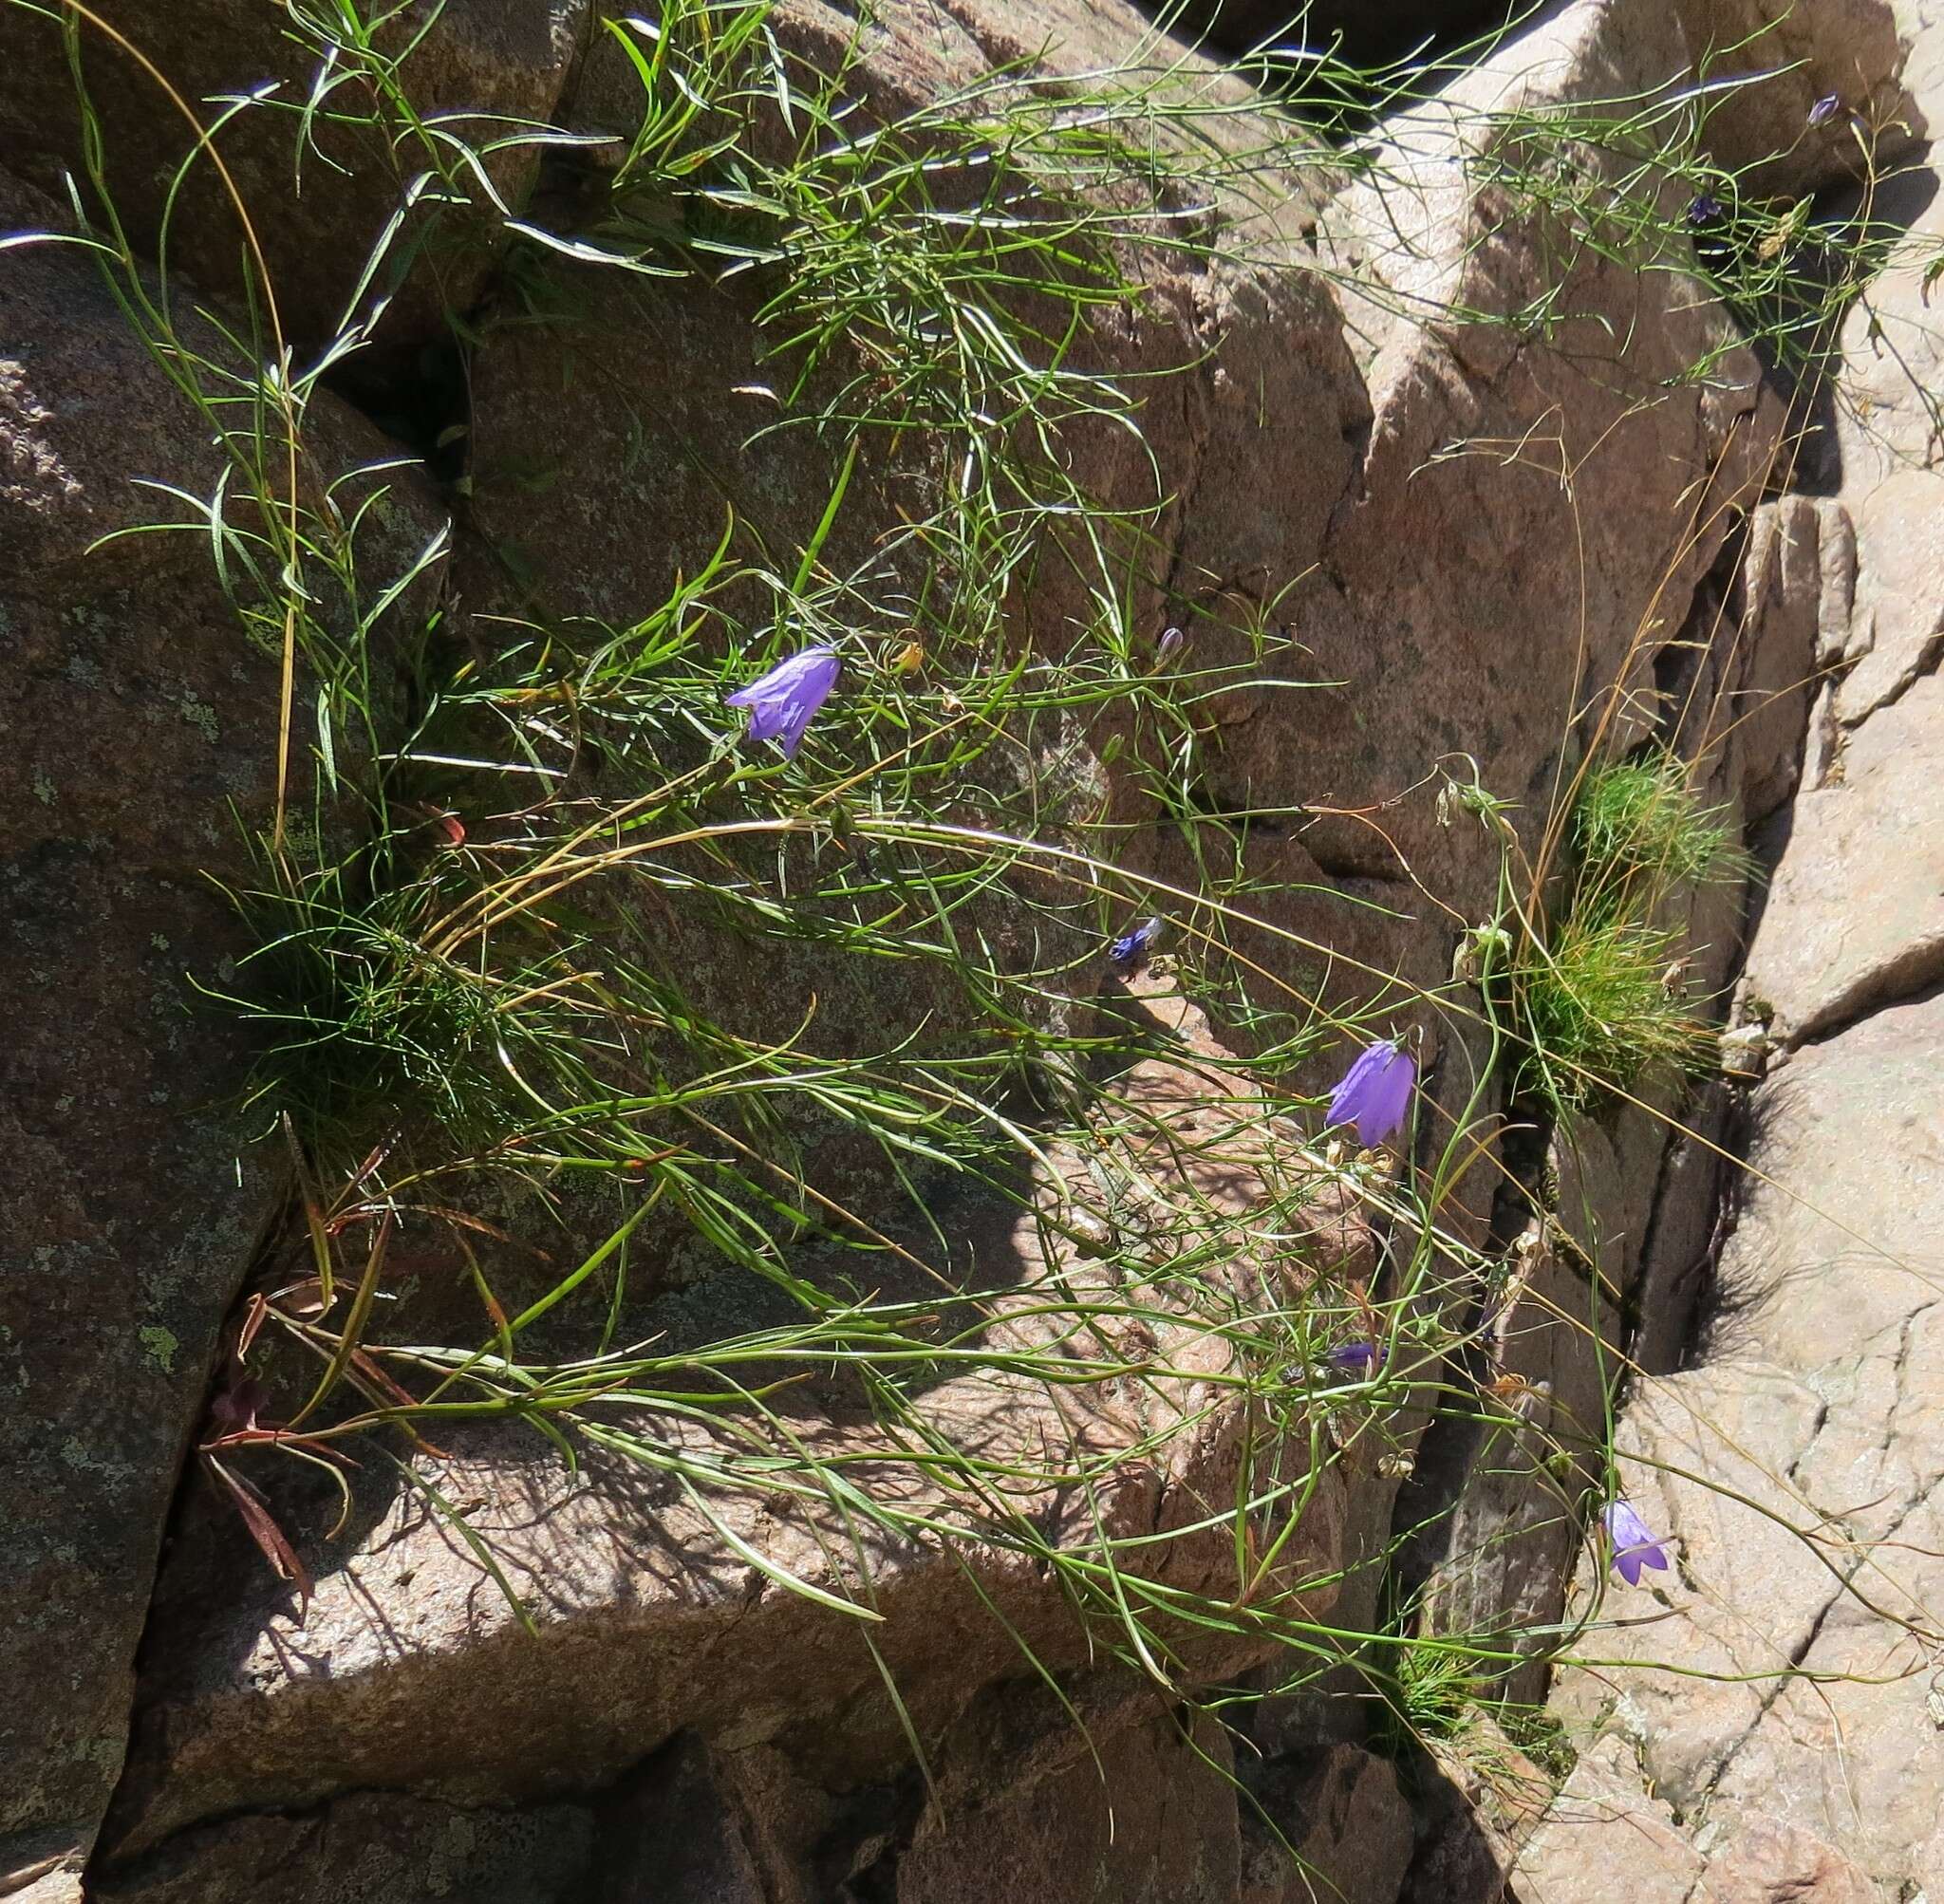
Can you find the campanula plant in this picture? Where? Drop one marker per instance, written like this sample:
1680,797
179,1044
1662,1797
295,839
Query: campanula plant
1129,953
1374,1094
1633,1541
783,702
1358,1360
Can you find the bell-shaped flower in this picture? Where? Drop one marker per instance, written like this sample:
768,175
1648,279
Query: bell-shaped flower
1129,953
1374,1094
783,702
1358,1360
1633,1541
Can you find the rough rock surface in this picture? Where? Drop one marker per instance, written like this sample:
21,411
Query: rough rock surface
1337,1826
483,63
1153,1819
1784,58
1502,1525
625,1583
1794,1467
1860,880
135,712
1857,923
599,530
1811,1405
403,1849
395,1647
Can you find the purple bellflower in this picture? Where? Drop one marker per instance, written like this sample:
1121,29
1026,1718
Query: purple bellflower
1633,1541
1171,643
1703,209
1129,953
1374,1094
1358,1360
1826,109
783,702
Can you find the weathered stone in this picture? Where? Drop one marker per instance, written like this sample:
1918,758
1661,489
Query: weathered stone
1793,1469
137,710
1676,1261
1769,1862
1607,1831
379,1849
1787,54
1249,406
630,1585
1341,1831
1852,918
1485,626
500,60
1783,1708
1890,348
1828,1275
1763,1421
1434,236
1841,1289
1807,1271
563,502
1605,1836
1787,587
672,1833
412,1674
1898,621
1504,1548
1479,1798
1144,1812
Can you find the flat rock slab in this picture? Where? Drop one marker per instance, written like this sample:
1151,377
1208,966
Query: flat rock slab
1855,914
652,1613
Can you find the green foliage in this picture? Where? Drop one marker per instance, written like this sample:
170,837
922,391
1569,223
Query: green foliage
1542,1737
1638,824
1601,1004
1601,998
1434,1689
587,948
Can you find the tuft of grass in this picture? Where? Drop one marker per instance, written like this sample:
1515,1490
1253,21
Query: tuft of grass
1601,1000
1640,822
1430,1692
1602,1005
1543,1737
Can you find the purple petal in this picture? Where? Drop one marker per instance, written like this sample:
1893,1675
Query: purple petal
792,724
1826,109
1129,951
1374,1094
1634,1544
765,719
1361,1360
783,702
